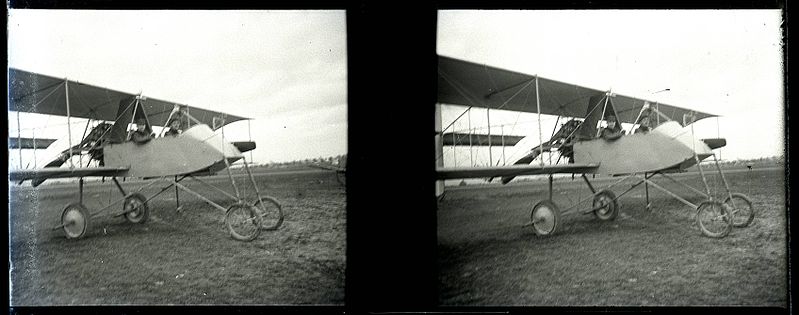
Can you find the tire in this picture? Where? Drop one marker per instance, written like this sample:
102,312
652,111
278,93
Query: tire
141,212
742,211
270,212
545,217
713,219
75,220
610,210
243,222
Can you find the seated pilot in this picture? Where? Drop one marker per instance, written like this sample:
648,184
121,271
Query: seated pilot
174,128
613,129
645,125
142,133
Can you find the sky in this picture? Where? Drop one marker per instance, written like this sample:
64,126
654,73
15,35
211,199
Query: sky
723,62
285,69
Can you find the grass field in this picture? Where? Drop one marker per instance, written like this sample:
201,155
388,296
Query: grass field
180,258
643,258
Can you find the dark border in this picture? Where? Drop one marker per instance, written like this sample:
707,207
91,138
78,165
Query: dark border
391,215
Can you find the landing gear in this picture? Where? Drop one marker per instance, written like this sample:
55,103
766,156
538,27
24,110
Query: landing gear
270,212
243,222
545,218
605,205
742,211
135,208
714,219
75,220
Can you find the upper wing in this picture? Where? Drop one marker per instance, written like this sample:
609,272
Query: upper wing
466,83
64,172
512,170
38,93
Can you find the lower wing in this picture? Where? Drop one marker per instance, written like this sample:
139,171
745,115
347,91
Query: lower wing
39,175
512,170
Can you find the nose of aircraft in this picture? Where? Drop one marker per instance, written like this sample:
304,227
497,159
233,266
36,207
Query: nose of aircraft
214,141
685,136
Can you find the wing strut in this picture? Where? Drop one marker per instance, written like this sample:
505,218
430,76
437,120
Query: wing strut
604,109
249,138
469,119
69,124
490,159
80,157
538,107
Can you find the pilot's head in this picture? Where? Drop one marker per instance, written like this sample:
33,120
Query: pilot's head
611,121
141,124
645,121
174,124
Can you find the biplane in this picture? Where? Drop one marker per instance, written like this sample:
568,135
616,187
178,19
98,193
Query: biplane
591,140
119,141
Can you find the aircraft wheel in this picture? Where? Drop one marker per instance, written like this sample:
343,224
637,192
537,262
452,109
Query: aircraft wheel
610,208
713,218
135,207
545,217
75,220
742,211
271,213
243,222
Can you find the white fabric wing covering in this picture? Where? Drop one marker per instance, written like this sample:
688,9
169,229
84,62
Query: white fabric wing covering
466,83
42,94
